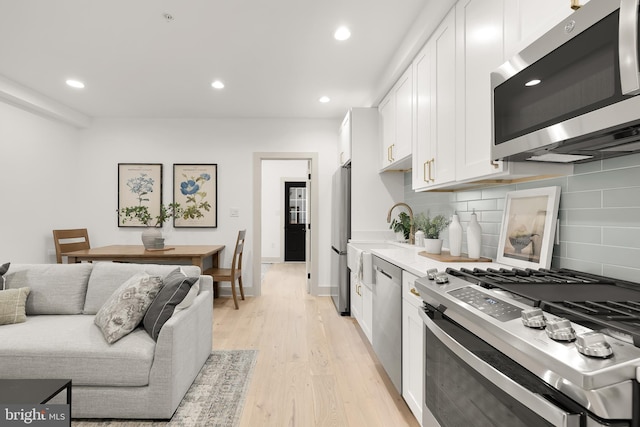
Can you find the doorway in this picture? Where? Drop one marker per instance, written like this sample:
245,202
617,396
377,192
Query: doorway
295,220
263,251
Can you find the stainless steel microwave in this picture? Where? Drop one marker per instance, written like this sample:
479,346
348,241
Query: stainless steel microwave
571,96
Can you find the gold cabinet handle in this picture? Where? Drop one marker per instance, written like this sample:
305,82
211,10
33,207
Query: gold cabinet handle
495,164
341,159
413,291
390,153
424,171
431,164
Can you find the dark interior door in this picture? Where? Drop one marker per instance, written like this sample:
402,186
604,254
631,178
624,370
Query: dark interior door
295,222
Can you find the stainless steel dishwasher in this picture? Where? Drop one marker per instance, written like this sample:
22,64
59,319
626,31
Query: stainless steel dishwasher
387,319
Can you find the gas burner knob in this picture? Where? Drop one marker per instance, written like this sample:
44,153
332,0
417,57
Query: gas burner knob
593,344
442,278
533,318
560,330
432,273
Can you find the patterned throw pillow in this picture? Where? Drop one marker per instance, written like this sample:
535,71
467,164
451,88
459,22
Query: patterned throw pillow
3,269
175,287
126,307
12,305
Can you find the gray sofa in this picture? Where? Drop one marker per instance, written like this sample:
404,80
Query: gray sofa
135,377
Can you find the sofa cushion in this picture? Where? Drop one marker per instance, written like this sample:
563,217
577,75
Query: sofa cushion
55,288
12,305
106,277
175,287
125,309
72,346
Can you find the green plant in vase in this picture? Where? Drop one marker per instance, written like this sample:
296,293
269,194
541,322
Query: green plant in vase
152,236
402,224
432,227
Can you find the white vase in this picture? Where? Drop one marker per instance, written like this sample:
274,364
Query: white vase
152,238
474,237
419,238
455,236
433,246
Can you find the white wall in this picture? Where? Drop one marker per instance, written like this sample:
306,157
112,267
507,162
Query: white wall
41,182
273,174
55,176
230,143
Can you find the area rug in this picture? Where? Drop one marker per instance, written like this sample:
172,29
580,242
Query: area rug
215,399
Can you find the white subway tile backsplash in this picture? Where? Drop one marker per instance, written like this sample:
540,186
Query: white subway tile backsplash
614,217
617,178
623,197
621,162
599,215
624,237
577,234
579,200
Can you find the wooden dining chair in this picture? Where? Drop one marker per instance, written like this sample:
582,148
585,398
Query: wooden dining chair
231,274
70,240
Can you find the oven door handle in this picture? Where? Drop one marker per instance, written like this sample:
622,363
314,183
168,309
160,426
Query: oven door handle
628,47
545,409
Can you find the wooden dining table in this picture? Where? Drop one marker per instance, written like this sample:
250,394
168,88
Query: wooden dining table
179,254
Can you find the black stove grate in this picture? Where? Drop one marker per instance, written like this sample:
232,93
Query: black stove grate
596,302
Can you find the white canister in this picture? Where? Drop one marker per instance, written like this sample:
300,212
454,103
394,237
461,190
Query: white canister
474,237
419,238
455,236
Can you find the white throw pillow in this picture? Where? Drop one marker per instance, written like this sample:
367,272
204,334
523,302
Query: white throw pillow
191,296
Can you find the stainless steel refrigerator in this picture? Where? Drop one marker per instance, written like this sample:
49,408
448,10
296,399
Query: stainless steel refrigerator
340,234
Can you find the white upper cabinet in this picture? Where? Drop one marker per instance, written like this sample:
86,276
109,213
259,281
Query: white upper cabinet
434,149
527,20
396,121
479,52
344,141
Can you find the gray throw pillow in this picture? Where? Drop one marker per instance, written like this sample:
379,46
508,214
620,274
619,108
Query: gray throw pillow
12,305
126,307
3,269
175,288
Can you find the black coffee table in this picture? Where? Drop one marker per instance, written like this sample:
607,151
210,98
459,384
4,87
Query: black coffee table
33,391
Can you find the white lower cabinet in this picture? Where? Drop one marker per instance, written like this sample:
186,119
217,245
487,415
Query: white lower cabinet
412,346
367,311
356,298
362,305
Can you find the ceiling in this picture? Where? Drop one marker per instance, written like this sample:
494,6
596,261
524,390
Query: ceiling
275,57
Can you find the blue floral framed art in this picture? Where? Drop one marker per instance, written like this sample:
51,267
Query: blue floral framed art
195,189
139,184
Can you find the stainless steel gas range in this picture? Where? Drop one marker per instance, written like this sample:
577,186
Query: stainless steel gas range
511,347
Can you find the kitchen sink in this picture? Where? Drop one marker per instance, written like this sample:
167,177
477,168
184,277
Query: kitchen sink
355,250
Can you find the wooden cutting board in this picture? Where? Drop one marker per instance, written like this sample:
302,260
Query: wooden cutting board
445,256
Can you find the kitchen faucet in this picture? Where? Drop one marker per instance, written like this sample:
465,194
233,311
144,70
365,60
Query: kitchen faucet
412,234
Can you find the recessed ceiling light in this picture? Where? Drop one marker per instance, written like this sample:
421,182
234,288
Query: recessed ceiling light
532,82
75,83
324,99
342,33
217,84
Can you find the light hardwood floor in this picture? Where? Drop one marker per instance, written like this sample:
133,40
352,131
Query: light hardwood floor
314,367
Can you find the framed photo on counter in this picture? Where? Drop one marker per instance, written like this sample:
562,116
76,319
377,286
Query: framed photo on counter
528,227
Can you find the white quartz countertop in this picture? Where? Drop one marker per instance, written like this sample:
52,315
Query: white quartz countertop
406,257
